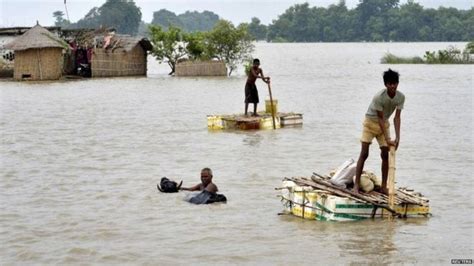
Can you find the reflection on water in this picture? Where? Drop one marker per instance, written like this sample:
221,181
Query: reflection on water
252,139
80,162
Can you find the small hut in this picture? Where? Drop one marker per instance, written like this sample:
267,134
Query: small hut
124,56
38,55
201,68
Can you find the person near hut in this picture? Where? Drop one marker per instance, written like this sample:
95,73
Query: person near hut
376,125
206,182
251,92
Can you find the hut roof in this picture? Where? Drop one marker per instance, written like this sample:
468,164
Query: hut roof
36,37
129,42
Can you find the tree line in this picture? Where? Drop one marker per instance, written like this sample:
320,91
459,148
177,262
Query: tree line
370,20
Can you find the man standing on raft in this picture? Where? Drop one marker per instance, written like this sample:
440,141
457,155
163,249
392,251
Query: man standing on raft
251,93
376,125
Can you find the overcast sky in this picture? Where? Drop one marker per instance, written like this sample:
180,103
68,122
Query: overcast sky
26,12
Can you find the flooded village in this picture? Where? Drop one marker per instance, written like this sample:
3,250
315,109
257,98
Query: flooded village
264,133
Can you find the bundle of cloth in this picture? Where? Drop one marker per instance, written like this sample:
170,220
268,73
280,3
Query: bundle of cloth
205,197
344,176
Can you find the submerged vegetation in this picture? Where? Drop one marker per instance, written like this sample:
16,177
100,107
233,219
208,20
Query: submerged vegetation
224,42
451,55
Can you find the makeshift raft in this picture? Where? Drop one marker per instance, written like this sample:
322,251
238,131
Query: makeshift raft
316,198
263,121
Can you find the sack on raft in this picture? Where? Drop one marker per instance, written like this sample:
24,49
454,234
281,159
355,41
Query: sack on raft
344,174
368,181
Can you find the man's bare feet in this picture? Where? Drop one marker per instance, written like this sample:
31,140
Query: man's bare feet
355,189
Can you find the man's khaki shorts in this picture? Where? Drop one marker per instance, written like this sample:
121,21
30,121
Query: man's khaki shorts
372,130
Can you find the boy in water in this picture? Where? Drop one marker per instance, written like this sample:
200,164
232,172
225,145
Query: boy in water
376,125
251,93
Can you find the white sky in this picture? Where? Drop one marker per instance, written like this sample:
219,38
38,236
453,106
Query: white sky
27,12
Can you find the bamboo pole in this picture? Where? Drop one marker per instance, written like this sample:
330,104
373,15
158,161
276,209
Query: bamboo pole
391,179
39,64
271,104
343,192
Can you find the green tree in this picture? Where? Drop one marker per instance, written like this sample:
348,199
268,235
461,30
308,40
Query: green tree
230,44
60,21
124,15
90,20
168,46
196,45
257,30
165,18
196,21
188,21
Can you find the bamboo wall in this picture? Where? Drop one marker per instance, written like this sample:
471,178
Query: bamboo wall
41,64
106,63
201,68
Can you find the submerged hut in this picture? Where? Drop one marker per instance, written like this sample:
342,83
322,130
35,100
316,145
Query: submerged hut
201,68
38,55
124,56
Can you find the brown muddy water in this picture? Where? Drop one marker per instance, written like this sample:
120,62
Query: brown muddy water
80,161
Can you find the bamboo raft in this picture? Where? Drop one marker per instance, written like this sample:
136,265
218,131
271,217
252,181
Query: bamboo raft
317,198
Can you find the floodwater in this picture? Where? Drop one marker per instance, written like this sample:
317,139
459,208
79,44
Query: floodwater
80,161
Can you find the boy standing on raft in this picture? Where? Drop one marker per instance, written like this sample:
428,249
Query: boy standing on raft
376,125
251,93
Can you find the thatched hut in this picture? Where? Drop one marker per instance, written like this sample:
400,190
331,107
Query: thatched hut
125,56
38,55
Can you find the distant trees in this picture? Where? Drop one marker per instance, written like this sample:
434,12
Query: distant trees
123,15
372,20
188,22
224,42
257,30
60,21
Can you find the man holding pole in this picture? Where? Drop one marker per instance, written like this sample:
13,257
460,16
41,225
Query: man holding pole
251,93
376,125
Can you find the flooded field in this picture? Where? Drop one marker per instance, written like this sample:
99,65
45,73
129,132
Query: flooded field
80,161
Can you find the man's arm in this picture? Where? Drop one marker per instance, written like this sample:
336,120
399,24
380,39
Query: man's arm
381,121
265,79
193,188
397,120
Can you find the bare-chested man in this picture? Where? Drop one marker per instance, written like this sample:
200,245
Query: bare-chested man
251,93
206,182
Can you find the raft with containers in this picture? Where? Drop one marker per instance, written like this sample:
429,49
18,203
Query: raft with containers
264,120
316,198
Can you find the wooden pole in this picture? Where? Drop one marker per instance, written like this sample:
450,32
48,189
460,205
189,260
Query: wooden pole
391,179
39,64
271,104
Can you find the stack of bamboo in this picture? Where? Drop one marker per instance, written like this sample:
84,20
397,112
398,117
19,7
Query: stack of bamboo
402,195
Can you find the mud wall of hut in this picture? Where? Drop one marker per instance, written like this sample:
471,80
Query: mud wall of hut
108,63
201,68
38,64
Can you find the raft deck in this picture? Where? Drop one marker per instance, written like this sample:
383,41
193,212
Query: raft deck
262,121
317,198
